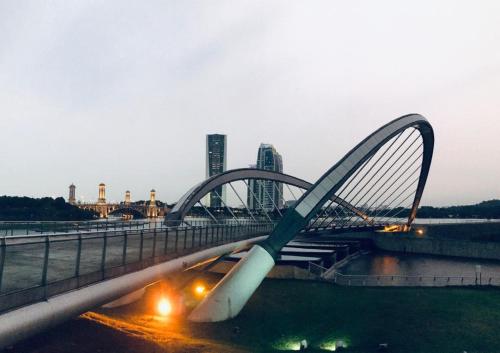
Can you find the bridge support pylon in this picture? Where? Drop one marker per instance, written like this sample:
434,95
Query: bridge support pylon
231,294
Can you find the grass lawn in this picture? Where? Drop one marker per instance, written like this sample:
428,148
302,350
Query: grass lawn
408,319
283,312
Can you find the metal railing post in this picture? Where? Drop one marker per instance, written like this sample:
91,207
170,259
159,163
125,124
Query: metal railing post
154,242
141,245
124,251
104,248
3,252
166,242
78,256
45,266
176,238
185,237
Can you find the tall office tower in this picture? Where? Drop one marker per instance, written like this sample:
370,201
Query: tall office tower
102,193
269,193
72,197
216,164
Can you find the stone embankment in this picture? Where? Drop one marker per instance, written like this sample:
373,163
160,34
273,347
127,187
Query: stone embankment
472,240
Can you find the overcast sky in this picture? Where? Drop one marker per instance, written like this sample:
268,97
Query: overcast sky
124,92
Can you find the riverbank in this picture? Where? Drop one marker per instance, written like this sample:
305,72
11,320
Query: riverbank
283,312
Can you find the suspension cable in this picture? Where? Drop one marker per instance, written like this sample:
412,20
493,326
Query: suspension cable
258,202
244,204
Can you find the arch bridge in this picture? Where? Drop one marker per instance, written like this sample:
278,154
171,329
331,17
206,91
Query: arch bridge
377,186
383,176
137,210
253,208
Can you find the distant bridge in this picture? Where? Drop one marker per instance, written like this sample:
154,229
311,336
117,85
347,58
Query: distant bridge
146,209
385,175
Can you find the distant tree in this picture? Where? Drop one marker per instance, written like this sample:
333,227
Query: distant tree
14,208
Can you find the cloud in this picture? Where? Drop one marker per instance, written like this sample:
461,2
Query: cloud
124,92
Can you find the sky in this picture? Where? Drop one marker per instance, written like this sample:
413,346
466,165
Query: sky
124,92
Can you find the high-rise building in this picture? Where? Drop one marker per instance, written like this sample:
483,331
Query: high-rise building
216,164
268,194
72,195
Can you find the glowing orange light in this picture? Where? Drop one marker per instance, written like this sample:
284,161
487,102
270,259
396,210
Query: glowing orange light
391,228
420,231
164,307
200,289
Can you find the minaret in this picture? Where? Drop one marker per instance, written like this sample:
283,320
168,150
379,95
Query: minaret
127,197
152,210
102,193
72,197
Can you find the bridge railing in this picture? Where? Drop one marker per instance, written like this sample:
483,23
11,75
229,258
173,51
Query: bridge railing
36,267
12,228
54,227
414,281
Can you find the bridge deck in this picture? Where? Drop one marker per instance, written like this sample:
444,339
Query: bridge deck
34,268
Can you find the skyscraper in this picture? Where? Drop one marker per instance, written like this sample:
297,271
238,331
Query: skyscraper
268,194
216,164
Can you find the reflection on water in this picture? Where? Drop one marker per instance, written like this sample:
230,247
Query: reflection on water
383,263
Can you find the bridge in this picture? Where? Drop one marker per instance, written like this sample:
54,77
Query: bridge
127,209
376,187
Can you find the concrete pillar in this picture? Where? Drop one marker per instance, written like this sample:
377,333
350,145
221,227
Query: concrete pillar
230,295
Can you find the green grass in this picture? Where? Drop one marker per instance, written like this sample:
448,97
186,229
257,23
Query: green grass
408,319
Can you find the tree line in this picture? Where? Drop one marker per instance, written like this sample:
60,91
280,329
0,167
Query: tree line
14,208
